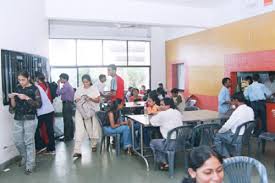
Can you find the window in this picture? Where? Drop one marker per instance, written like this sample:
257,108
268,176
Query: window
72,72
181,77
89,52
139,53
114,52
62,52
79,57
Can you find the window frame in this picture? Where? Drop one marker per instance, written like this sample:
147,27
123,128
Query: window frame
102,61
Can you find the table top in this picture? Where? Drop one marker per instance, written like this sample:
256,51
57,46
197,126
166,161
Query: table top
135,104
141,118
187,116
201,115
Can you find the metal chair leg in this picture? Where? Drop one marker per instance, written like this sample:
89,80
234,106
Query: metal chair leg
171,162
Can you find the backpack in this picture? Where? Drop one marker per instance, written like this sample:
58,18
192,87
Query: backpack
53,87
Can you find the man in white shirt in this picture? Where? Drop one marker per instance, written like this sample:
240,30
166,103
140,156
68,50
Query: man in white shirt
241,115
168,119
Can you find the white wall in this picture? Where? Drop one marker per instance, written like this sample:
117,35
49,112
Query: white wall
158,65
24,28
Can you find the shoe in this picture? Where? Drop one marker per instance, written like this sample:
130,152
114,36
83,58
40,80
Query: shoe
40,151
28,171
94,149
77,155
130,151
50,153
164,167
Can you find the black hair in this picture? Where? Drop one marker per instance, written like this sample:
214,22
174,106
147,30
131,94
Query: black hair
64,76
160,84
198,156
134,90
238,96
112,66
114,105
154,96
170,102
174,90
101,76
25,74
255,77
87,77
249,79
161,91
224,80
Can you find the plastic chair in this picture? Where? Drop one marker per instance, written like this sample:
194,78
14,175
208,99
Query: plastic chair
102,117
239,169
239,140
183,143
204,134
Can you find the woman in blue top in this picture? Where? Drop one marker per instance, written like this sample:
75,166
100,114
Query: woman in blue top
115,124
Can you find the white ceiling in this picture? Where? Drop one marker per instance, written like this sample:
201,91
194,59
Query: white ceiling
190,3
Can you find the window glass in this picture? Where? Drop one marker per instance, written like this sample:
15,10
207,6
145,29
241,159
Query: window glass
94,72
72,72
114,52
138,53
89,52
134,76
62,52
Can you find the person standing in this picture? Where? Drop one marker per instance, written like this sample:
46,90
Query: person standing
224,97
117,84
257,93
67,97
25,101
87,99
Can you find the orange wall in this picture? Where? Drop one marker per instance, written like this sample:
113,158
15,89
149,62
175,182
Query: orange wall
203,53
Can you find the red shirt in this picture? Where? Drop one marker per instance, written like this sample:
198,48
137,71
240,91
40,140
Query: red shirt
119,90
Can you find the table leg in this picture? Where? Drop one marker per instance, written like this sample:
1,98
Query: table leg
141,153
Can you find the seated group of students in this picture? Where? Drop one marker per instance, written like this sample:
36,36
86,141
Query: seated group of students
167,117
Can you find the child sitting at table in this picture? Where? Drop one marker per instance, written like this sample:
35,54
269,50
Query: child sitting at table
178,99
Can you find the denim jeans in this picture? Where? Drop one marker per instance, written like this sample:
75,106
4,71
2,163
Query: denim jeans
23,134
125,132
220,146
160,147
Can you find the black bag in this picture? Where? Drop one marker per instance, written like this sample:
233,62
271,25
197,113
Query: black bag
53,87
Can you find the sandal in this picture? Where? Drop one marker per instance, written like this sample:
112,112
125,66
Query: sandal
164,167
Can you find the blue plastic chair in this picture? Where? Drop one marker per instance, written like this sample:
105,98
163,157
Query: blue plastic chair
239,169
238,141
102,117
183,143
204,134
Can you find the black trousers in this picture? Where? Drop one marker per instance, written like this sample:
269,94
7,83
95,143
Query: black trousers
48,120
259,109
67,112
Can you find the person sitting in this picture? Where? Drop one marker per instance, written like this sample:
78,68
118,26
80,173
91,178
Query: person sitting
129,94
142,90
115,124
161,93
135,95
242,114
178,100
152,104
168,119
205,165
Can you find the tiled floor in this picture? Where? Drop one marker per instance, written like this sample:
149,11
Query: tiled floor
104,168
